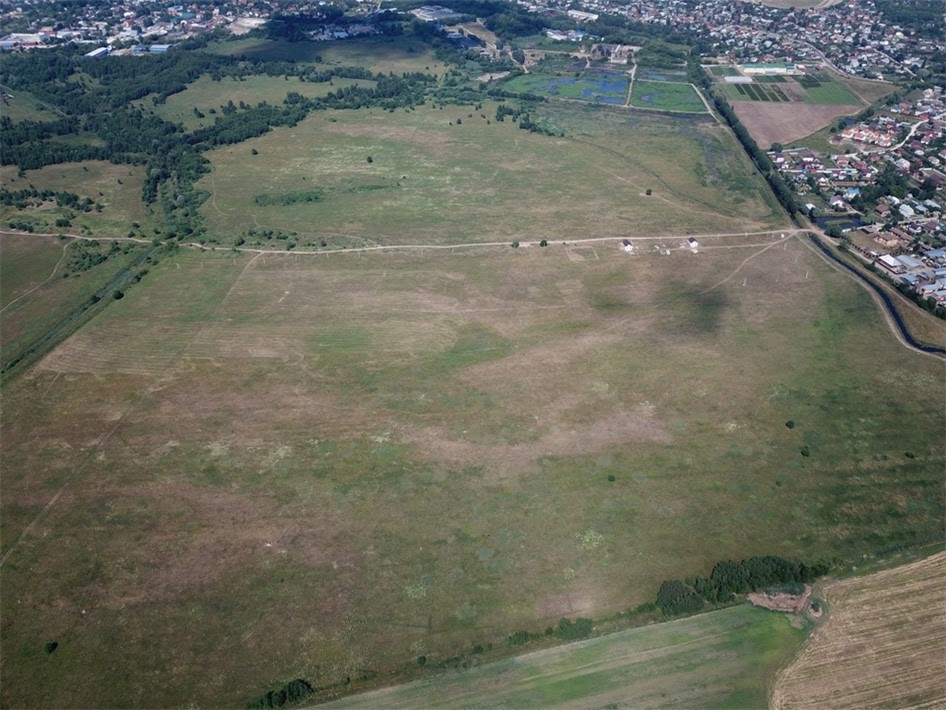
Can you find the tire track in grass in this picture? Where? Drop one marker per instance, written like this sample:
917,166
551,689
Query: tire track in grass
130,408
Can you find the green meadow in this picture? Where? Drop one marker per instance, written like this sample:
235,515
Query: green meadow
208,96
327,464
457,175
288,454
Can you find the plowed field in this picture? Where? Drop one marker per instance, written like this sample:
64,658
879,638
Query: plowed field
883,645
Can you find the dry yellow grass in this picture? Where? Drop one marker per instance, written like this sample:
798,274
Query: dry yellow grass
883,645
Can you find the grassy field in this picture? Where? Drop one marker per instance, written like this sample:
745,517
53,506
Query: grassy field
869,91
483,180
397,54
25,262
882,645
24,106
329,466
33,303
117,188
666,97
206,94
722,659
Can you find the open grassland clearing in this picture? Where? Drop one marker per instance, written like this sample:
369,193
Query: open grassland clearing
23,106
205,95
430,182
393,54
666,96
26,261
329,466
39,298
882,645
726,658
117,188
869,91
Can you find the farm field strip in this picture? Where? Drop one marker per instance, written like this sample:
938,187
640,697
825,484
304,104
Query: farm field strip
717,659
882,644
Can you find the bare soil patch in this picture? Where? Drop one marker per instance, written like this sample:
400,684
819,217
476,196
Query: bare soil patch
781,601
770,122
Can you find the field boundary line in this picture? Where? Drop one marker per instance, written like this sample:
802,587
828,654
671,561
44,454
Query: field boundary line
129,409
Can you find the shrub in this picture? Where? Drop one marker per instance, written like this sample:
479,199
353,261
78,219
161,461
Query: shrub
518,639
572,630
51,646
790,424
292,692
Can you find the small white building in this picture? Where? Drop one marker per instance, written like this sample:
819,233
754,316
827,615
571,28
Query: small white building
890,263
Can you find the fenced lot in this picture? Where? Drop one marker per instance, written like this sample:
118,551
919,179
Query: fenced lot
592,87
666,96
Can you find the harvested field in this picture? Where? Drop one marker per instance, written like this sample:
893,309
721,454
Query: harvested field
777,122
882,646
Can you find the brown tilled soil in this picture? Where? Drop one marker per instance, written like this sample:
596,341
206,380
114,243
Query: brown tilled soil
770,122
883,644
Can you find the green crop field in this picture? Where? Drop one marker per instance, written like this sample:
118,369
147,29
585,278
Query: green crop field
722,659
830,92
480,180
205,94
666,96
331,465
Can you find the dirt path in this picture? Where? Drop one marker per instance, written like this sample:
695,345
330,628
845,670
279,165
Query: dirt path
45,281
